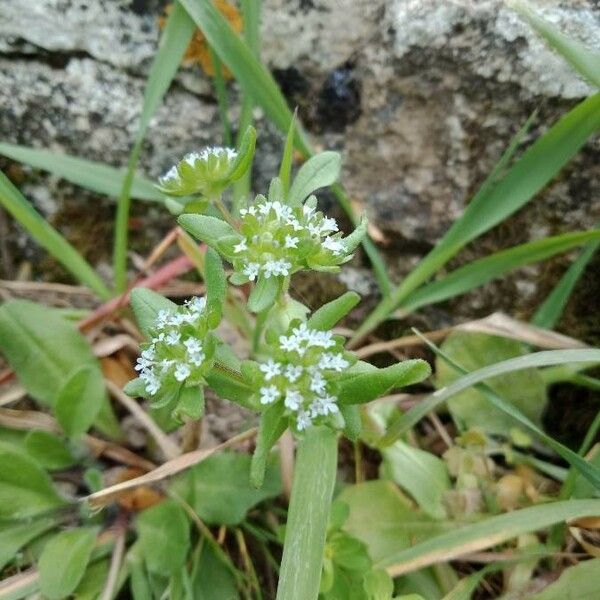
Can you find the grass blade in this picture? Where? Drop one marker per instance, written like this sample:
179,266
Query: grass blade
490,532
257,82
56,245
497,200
485,269
537,359
548,314
580,58
87,174
174,41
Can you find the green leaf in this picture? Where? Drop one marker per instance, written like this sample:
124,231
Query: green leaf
272,426
93,581
219,488
549,313
500,196
352,421
577,582
384,519
14,536
423,475
206,229
365,387
581,58
317,172
25,488
190,404
245,154
490,532
136,388
216,282
146,305
163,537
79,401
357,236
263,294
88,174
329,314
175,38
29,337
49,450
45,235
485,269
537,359
211,579
63,561
285,169
525,389
230,385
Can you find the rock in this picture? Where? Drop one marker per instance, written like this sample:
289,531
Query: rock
420,96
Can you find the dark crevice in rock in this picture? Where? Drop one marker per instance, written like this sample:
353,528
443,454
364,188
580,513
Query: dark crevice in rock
54,59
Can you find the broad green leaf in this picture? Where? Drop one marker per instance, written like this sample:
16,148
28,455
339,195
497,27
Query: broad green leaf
206,229
423,475
79,401
537,359
146,305
365,387
88,174
49,450
308,515
329,314
317,172
45,235
581,58
163,537
212,580
352,421
216,281
190,404
579,582
229,385
485,534
272,426
385,520
499,198
176,36
245,155
525,389
219,488
63,561
15,536
263,294
548,314
93,581
359,235
45,350
485,269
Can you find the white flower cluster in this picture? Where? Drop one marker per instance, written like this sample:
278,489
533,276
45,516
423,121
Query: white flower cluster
302,378
173,176
274,233
175,353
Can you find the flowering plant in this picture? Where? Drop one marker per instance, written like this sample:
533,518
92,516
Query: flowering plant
299,376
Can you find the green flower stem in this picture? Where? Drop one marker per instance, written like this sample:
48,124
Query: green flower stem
218,202
308,515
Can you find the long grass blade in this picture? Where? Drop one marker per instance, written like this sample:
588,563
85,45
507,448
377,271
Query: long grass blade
497,200
476,378
41,231
580,58
485,269
87,174
174,41
549,313
485,534
257,82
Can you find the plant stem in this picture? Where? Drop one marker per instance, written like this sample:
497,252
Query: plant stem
308,515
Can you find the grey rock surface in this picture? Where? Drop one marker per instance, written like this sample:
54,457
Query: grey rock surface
420,96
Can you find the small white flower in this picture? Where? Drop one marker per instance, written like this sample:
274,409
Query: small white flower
192,157
289,343
270,369
334,245
293,399
264,208
317,383
165,365
268,394
334,361
251,271
271,267
329,225
293,372
322,339
291,241
172,338
152,386
196,304
182,372
150,352
192,345
295,224
196,358
162,318
142,363
325,405
308,211
170,176
303,420
314,229
241,247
